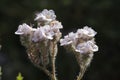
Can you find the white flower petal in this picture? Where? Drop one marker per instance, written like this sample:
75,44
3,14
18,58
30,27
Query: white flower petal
86,47
64,42
89,31
23,29
86,33
82,48
68,39
92,46
43,33
45,15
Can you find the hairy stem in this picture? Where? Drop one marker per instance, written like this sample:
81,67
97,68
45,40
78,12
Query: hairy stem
47,72
81,73
53,55
82,65
53,68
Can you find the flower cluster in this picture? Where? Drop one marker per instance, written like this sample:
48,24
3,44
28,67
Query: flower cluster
24,29
41,43
46,33
82,44
45,15
82,41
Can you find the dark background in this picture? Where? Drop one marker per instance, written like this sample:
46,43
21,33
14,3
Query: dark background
101,15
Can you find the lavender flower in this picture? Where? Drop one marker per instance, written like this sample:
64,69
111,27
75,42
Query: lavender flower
24,29
86,33
41,43
82,41
68,39
45,15
43,33
86,47
47,31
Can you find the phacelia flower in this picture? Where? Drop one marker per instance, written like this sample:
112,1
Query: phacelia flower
86,47
45,15
47,31
43,33
24,29
56,25
68,39
82,41
86,32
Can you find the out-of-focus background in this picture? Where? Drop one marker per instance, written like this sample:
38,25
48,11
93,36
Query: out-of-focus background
102,15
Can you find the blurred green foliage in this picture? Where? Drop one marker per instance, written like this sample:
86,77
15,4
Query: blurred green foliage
101,15
19,77
0,70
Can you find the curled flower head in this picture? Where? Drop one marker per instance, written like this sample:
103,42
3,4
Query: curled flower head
24,29
48,31
82,41
45,15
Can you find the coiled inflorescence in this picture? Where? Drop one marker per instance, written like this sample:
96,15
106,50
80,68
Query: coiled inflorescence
38,40
41,43
82,41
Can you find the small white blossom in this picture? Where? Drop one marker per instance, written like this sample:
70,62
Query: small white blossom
68,39
86,47
43,33
82,41
86,32
45,15
56,25
24,29
89,31
65,41
48,32
92,45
